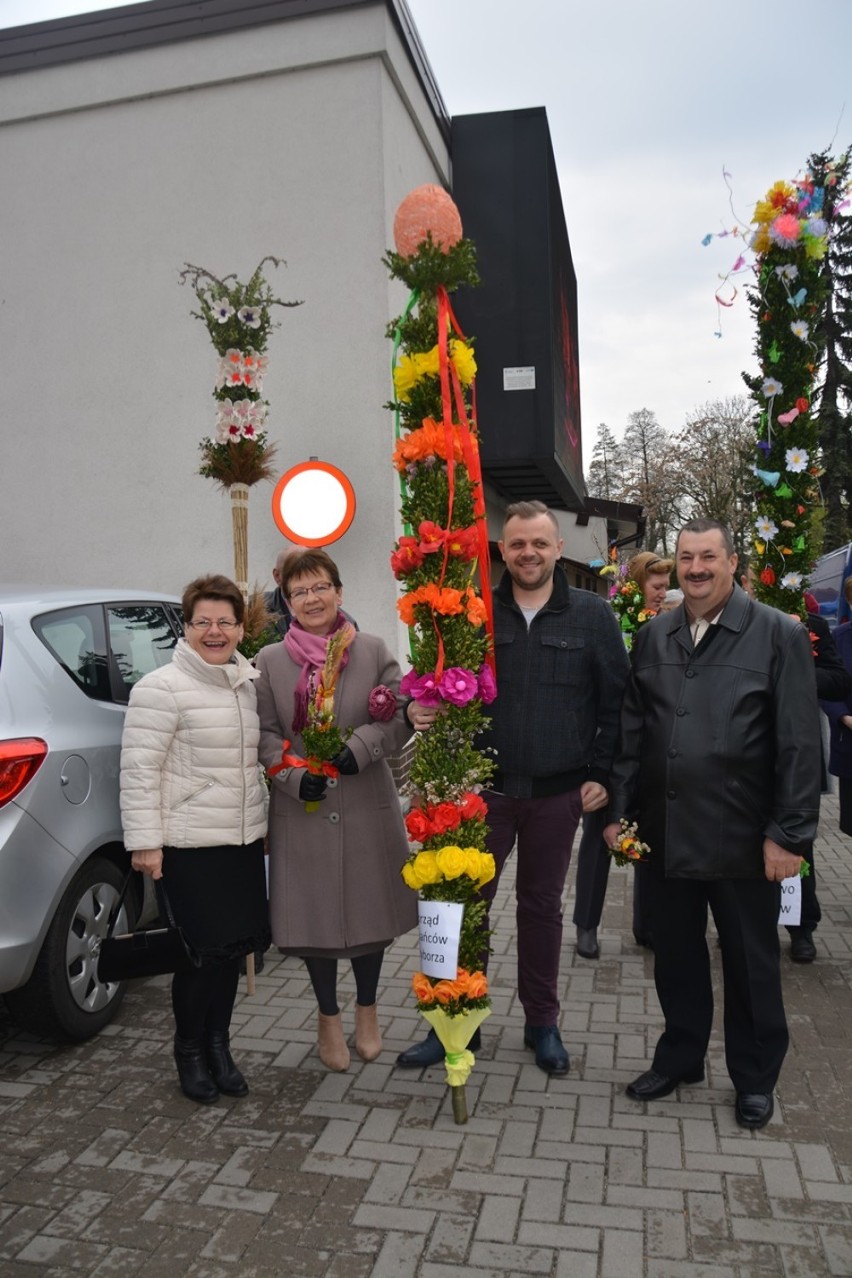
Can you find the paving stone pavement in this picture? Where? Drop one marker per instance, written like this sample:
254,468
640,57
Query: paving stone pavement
106,1169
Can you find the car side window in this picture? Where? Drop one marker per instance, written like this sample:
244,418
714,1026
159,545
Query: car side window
76,637
141,639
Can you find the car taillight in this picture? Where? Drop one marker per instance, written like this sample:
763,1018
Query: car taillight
19,762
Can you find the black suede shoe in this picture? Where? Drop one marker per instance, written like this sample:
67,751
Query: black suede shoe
587,943
225,1074
802,948
652,1086
550,1054
195,1080
754,1109
431,1051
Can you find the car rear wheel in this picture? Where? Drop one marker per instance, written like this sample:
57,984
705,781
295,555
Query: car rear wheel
64,998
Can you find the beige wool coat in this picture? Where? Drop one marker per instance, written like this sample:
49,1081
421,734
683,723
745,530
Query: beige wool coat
334,875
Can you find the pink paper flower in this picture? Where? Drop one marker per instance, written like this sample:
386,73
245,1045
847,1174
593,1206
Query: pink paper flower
381,703
458,686
785,230
422,688
487,685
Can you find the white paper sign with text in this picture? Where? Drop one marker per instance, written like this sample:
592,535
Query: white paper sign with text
440,928
791,902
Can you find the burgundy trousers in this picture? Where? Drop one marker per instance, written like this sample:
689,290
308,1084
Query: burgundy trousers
544,830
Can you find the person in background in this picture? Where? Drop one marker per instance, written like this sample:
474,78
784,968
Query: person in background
671,601
193,808
652,575
718,762
335,884
833,685
839,712
561,668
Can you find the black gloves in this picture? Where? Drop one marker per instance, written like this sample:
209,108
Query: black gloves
311,788
346,763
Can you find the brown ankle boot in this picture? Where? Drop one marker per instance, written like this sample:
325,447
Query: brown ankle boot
368,1039
333,1051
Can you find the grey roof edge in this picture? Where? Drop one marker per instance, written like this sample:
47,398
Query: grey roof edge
38,45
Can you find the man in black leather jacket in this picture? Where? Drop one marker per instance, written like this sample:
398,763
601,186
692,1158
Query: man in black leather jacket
719,761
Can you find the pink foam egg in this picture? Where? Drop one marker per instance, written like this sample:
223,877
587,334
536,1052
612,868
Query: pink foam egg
426,208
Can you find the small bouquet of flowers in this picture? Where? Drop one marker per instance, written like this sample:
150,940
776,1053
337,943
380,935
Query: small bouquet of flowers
322,737
627,602
627,848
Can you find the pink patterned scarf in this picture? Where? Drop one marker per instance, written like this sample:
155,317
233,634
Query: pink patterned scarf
309,652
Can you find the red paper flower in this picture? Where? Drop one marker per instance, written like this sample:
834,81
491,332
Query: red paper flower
445,816
418,825
463,542
407,557
432,537
473,806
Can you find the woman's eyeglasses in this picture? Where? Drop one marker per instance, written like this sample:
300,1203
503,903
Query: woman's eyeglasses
204,623
302,592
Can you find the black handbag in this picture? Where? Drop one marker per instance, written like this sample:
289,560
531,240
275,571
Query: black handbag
149,952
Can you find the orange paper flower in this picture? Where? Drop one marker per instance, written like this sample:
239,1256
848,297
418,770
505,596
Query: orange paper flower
429,440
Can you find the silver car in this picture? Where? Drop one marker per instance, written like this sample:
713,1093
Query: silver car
68,659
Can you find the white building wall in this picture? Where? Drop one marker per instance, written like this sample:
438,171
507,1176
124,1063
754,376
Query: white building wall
297,139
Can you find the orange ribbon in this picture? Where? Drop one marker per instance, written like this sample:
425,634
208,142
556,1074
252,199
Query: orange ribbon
317,767
470,451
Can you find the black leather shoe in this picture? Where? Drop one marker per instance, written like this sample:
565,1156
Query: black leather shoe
587,943
550,1054
224,1072
802,948
431,1051
651,1085
195,1080
644,939
754,1109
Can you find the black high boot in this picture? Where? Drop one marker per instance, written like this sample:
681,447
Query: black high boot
195,1080
226,1076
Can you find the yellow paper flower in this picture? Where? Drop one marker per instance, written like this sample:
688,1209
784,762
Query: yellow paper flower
412,368
767,209
463,358
422,870
761,243
473,863
452,861
487,868
406,375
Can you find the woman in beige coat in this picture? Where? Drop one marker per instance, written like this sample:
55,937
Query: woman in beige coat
335,886
193,808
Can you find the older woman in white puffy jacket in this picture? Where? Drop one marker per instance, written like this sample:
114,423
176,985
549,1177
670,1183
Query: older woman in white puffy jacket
193,808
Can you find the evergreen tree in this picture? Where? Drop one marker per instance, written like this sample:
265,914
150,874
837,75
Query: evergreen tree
834,410
606,468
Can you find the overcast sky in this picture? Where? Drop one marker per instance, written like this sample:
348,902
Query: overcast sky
647,103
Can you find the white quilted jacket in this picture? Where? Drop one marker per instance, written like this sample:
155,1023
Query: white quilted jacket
189,770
